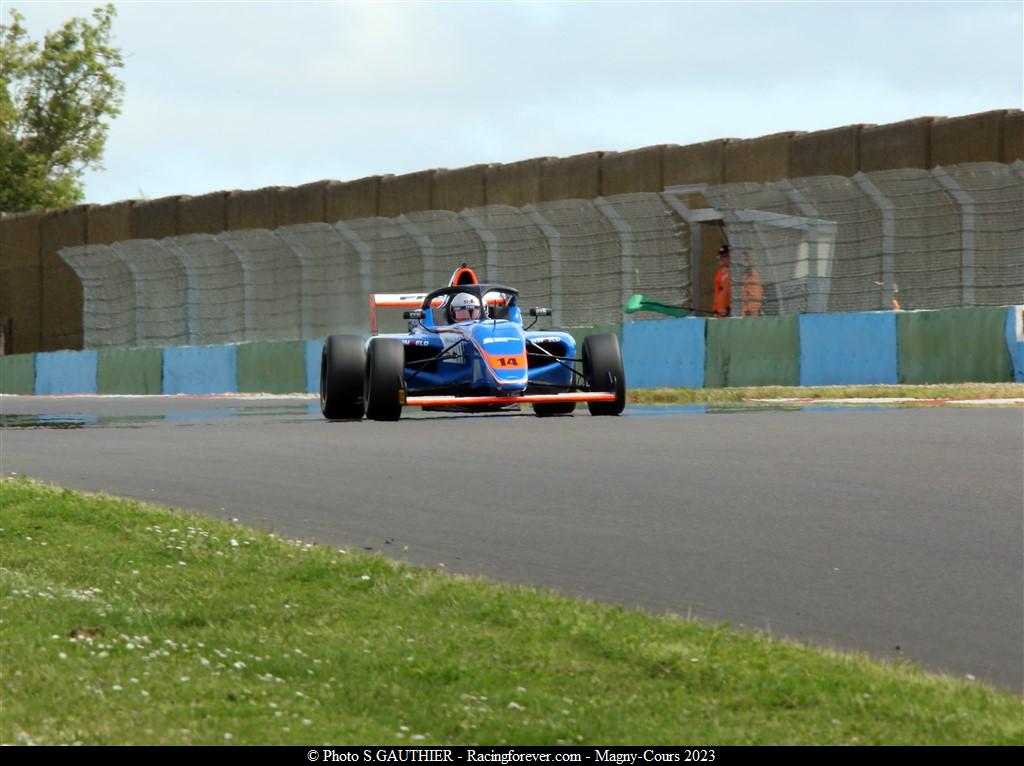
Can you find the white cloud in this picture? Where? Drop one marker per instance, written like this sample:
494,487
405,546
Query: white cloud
239,95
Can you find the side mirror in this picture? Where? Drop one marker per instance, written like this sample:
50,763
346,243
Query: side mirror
414,314
539,312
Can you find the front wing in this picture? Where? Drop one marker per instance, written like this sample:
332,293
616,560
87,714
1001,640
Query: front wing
455,401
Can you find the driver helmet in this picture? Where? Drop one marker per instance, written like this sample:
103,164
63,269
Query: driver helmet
496,305
464,307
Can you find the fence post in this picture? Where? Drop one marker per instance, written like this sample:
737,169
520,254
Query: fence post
92,265
885,206
191,289
680,208
363,250
554,240
248,290
822,236
301,252
426,247
967,228
625,232
487,238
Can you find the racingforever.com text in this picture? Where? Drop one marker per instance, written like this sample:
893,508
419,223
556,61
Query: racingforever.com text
629,757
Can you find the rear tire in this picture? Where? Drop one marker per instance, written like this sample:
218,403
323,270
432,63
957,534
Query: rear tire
602,365
342,363
385,365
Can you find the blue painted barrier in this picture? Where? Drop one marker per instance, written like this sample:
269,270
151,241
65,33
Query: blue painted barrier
200,370
314,348
66,372
1015,340
664,353
847,349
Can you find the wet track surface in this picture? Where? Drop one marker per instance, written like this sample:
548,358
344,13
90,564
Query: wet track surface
895,531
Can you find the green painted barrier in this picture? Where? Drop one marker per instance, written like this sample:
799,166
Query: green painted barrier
18,374
752,351
272,367
953,346
129,371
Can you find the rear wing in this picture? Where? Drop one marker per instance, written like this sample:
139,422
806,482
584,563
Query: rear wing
397,301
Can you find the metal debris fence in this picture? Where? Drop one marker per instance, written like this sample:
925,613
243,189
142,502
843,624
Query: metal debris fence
929,238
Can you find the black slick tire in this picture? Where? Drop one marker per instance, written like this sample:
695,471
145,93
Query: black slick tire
602,366
385,365
341,377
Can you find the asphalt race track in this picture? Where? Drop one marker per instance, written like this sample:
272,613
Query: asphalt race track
895,531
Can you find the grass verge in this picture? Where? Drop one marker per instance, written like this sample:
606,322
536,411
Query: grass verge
124,623
727,395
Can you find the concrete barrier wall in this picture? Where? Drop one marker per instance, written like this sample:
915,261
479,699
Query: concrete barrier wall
314,350
205,214
759,351
200,369
272,367
66,372
251,209
695,164
845,349
826,152
758,159
155,218
263,367
344,201
515,184
406,193
109,223
129,371
61,290
576,177
972,138
639,170
948,346
300,204
20,281
904,144
18,374
459,189
954,345
668,353
1013,137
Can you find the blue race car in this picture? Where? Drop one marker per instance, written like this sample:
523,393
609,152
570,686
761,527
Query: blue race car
467,351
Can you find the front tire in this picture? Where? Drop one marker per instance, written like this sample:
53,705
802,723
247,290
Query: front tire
385,365
341,377
602,366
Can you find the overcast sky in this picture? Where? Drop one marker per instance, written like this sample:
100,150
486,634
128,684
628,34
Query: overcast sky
238,95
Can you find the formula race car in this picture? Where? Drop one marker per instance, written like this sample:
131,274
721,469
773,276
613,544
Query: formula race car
467,351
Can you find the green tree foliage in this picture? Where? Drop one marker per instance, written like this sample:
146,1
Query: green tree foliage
55,107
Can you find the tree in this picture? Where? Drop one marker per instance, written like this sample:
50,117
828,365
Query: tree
55,108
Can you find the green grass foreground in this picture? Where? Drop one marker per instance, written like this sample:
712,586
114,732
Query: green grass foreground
730,395
124,623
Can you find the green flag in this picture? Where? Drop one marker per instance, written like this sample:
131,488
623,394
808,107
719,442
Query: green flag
643,303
